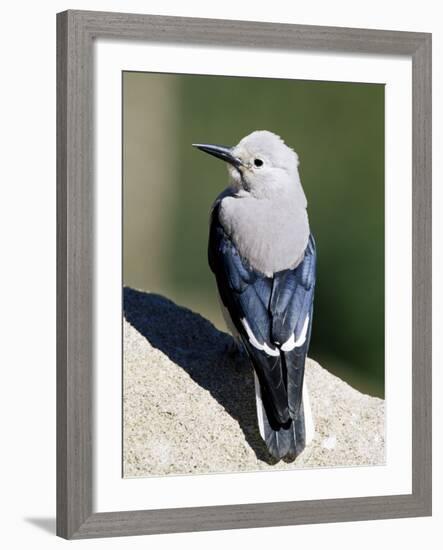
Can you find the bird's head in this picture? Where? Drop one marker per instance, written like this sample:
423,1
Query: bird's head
261,164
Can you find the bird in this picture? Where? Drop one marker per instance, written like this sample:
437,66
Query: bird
263,256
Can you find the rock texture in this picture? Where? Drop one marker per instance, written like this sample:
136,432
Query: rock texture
189,404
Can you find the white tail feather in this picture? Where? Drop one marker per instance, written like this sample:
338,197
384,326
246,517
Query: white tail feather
309,420
259,404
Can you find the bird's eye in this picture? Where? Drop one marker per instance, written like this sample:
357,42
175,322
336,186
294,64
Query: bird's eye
258,162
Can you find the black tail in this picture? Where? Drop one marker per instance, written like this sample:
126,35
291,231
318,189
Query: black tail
286,441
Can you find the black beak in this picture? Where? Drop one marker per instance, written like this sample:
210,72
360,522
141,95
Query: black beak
219,151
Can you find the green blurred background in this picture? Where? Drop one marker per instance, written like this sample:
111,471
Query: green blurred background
337,130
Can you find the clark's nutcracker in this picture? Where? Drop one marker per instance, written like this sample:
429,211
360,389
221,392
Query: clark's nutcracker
263,256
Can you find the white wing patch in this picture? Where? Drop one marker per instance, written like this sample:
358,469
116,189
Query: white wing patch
263,347
291,343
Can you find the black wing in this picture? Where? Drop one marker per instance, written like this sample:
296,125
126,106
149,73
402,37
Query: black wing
273,316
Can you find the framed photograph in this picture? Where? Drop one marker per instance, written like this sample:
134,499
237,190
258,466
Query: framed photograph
244,274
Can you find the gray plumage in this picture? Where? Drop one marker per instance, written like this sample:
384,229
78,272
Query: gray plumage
264,213
270,236
263,256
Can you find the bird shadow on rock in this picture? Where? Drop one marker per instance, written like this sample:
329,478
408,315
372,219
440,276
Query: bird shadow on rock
194,344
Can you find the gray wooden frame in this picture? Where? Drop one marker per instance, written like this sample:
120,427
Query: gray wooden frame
76,31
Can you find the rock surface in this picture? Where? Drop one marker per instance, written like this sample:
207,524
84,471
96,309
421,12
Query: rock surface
189,405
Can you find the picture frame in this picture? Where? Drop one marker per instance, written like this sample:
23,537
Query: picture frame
76,32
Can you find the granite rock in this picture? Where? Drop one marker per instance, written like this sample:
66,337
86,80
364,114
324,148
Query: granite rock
189,402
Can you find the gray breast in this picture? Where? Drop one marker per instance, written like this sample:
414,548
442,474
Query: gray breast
270,234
